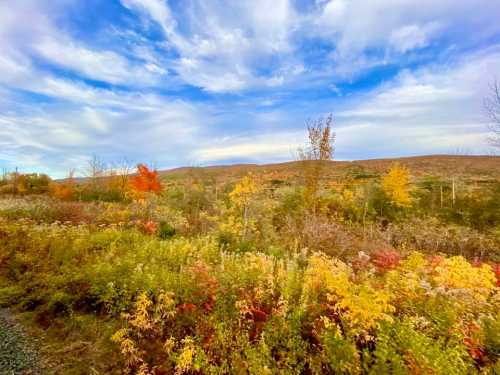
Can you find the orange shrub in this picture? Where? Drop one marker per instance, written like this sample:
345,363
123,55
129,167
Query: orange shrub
63,191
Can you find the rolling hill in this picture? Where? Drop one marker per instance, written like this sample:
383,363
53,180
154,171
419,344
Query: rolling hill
446,166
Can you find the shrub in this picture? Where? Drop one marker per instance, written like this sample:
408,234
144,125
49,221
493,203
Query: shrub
255,281
165,230
402,349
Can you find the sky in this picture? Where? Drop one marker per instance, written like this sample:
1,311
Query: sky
197,82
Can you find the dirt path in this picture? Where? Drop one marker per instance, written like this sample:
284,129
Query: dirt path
17,351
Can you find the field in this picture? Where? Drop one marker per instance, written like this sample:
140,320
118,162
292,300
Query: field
308,267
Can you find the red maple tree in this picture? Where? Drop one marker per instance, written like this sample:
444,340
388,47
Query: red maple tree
146,180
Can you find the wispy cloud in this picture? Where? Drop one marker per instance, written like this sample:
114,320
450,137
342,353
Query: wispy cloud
222,47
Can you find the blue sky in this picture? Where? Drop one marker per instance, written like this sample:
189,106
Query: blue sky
198,82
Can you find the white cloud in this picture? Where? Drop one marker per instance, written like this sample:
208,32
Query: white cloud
113,125
431,110
410,37
369,34
263,147
38,35
158,10
234,46
358,24
104,66
222,45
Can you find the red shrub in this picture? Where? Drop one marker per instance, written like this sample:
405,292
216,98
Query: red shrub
386,260
496,269
473,343
258,315
205,294
148,227
186,308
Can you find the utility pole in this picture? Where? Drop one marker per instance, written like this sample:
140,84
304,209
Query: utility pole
15,181
441,192
453,191
216,190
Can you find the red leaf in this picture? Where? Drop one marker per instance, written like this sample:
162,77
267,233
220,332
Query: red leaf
186,307
258,315
385,260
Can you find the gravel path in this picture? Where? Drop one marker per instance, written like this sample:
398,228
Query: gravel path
17,353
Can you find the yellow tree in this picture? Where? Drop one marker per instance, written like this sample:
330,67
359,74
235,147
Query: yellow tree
241,197
396,185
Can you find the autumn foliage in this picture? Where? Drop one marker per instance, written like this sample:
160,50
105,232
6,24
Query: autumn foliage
146,180
65,190
385,260
325,268
396,185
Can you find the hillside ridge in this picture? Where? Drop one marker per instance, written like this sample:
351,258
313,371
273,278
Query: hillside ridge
446,165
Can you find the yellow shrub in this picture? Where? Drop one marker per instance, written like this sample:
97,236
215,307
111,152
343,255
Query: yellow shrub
348,195
325,275
147,317
360,305
364,307
186,356
127,347
406,283
456,273
232,225
140,320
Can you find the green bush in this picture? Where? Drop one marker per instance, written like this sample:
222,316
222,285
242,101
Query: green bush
165,230
401,349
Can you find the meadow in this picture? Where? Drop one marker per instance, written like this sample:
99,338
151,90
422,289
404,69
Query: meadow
310,267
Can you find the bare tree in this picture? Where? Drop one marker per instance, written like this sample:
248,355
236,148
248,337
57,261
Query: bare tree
492,108
120,174
318,150
320,140
95,170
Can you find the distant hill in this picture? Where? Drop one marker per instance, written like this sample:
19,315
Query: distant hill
471,167
476,167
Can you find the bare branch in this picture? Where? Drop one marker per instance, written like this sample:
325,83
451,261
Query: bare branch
492,109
